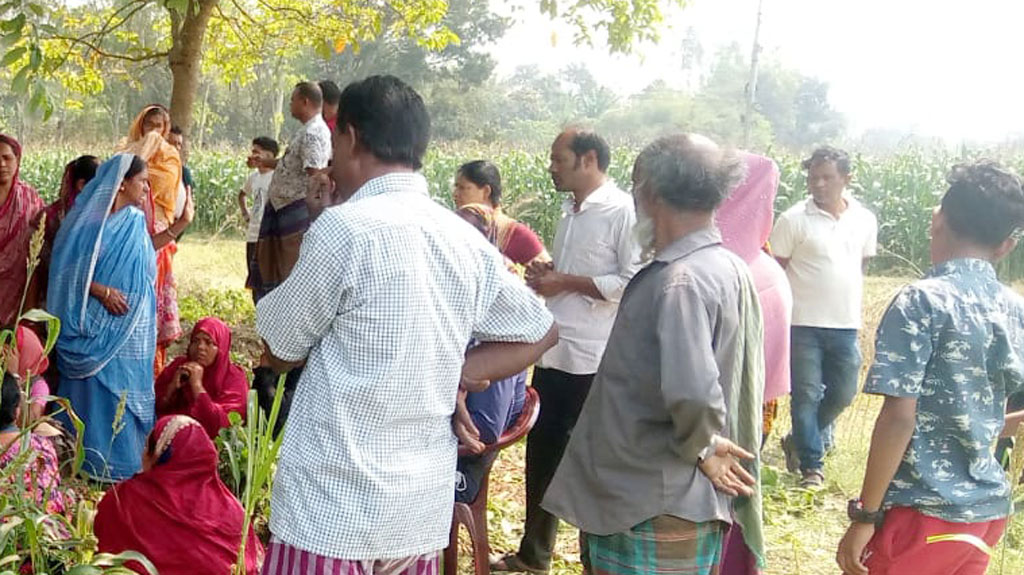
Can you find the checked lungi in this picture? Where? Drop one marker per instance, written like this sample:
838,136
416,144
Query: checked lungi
664,544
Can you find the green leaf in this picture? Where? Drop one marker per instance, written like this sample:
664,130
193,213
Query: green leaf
38,95
52,325
19,85
8,40
84,570
35,56
36,8
14,24
13,56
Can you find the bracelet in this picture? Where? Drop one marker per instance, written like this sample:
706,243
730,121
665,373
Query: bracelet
106,294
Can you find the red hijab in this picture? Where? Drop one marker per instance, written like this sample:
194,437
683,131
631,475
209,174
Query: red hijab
179,514
16,215
32,360
220,378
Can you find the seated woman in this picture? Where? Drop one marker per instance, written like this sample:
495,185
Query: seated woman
479,182
42,477
27,360
496,408
177,512
204,384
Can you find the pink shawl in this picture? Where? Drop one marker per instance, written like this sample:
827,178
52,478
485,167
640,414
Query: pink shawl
16,215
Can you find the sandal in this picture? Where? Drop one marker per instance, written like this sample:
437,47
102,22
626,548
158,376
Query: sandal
511,563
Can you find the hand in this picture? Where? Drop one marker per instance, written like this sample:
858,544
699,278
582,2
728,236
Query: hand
850,554
473,385
537,268
188,213
464,428
114,301
195,376
549,284
723,468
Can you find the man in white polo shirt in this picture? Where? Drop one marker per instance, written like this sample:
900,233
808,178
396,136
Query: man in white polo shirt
595,256
823,243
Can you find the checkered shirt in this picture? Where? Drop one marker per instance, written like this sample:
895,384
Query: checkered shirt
387,292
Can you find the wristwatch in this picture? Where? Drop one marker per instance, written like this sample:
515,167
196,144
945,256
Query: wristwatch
856,512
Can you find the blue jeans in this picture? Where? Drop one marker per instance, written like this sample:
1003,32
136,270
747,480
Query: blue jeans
825,365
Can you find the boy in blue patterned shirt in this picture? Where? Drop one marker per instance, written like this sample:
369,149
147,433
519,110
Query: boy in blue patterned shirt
949,351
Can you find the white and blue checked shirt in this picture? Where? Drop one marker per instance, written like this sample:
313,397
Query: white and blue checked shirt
387,292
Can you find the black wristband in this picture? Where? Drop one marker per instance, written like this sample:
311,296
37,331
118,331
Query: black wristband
856,512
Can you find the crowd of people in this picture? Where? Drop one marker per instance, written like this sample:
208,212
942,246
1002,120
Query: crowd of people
662,328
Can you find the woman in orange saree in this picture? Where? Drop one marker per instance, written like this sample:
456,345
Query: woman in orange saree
168,214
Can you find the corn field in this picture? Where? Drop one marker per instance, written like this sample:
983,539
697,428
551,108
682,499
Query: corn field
901,189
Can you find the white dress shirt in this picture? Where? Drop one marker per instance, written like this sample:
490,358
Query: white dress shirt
596,242
387,292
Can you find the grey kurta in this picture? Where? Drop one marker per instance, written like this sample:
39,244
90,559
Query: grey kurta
659,396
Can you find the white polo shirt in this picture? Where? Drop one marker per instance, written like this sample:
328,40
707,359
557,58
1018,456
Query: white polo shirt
825,261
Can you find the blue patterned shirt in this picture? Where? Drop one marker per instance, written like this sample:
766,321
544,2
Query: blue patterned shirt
955,341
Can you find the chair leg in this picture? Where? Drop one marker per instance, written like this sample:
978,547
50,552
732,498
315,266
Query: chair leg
451,553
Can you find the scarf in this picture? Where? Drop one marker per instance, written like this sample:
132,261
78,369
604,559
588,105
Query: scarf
165,171
179,514
17,214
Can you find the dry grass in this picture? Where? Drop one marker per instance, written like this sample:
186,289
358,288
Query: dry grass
802,529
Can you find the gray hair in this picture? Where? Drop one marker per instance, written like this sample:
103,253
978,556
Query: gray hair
688,172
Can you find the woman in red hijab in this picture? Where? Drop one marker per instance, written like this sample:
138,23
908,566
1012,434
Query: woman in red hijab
19,204
204,384
177,512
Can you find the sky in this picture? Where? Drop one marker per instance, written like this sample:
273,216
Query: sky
938,68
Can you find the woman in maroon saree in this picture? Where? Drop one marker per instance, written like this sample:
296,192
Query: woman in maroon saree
204,384
19,205
177,512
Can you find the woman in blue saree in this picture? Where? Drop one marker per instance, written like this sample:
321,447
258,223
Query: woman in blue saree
101,286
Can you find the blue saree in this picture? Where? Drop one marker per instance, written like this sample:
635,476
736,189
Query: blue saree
106,360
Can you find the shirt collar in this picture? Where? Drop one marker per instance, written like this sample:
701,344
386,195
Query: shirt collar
963,265
393,182
313,121
851,203
689,243
599,196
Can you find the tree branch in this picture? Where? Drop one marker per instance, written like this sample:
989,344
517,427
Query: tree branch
126,57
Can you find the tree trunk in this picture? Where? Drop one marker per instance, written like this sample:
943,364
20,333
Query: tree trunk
187,32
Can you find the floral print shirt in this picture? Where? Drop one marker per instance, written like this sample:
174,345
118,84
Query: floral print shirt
955,341
42,477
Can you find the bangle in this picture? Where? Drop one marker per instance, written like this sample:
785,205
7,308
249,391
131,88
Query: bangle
106,294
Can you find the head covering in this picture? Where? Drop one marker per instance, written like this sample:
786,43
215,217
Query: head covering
482,217
32,360
87,342
165,171
745,217
179,514
17,214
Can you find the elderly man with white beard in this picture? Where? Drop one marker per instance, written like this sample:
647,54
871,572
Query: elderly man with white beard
652,475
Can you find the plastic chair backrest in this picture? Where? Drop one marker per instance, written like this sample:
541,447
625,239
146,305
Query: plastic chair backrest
524,423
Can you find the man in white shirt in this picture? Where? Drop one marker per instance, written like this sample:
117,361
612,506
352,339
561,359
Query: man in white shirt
595,256
286,215
823,243
388,291
256,187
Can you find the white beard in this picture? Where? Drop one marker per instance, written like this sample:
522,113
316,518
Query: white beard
643,233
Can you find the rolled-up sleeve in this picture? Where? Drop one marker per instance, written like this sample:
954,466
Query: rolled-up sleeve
294,317
507,310
627,252
690,383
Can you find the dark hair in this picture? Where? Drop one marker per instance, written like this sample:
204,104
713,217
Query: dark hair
268,144
311,92
584,141
138,164
829,154
83,168
690,173
483,173
176,129
10,397
389,118
331,92
984,203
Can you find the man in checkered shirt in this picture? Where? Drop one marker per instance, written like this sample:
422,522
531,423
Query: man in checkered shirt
387,292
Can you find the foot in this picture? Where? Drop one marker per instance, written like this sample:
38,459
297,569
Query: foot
789,450
813,479
511,563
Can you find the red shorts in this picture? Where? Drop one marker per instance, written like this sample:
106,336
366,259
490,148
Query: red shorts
901,545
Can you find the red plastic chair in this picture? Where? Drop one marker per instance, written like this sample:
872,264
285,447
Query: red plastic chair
474,515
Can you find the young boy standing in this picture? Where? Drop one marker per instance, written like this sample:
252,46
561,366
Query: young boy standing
948,352
256,188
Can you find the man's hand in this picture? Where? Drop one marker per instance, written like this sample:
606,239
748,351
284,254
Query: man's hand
723,468
851,548
464,428
548,284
